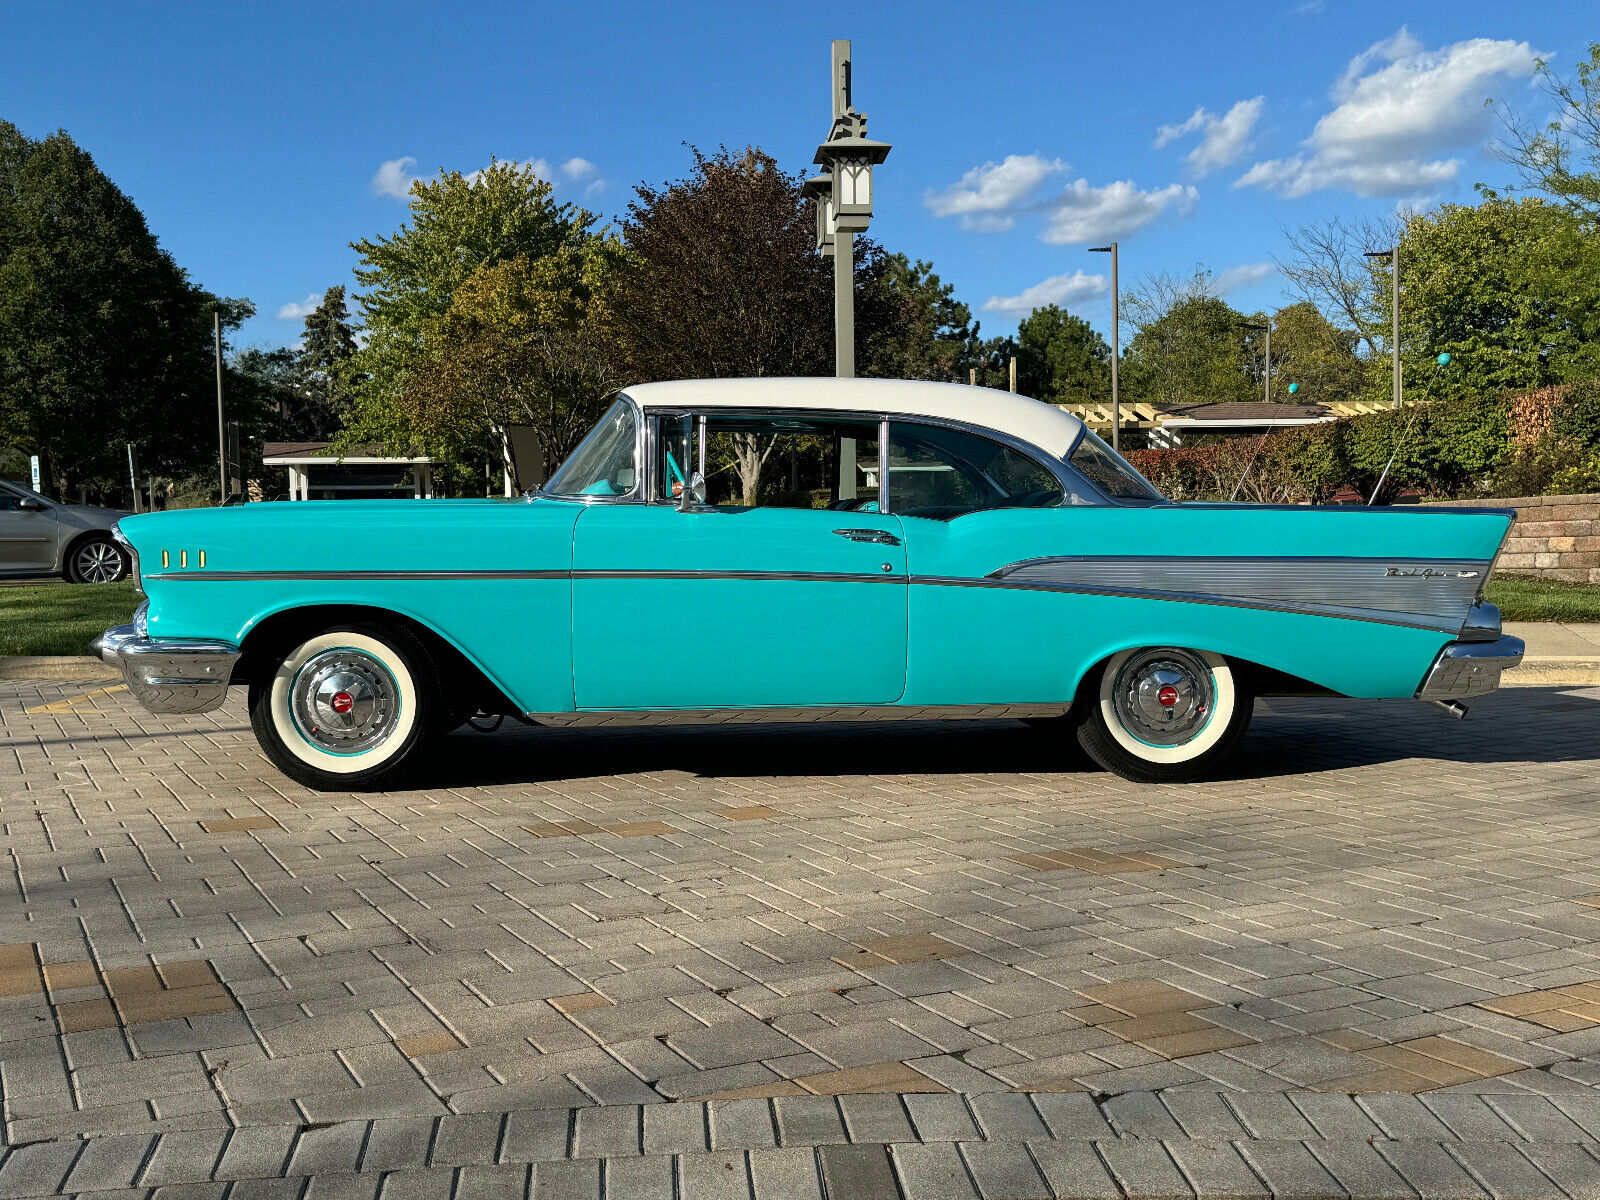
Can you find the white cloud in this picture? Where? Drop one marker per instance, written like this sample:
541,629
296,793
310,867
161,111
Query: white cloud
986,198
1065,290
574,171
1084,213
1397,105
1248,275
394,178
296,310
1224,138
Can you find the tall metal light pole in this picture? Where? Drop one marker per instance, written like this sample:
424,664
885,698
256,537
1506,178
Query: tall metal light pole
1266,372
1394,350
1116,348
844,201
222,436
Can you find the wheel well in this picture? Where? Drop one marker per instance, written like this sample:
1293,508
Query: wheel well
1257,679
468,687
87,535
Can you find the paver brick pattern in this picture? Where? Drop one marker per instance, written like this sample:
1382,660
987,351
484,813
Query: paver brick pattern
1376,903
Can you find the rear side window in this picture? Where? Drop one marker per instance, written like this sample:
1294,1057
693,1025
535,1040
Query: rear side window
942,473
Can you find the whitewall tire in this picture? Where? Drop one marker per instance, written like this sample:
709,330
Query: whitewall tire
347,708
1161,714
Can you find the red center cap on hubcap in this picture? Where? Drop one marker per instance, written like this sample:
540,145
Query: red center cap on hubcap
343,702
1168,695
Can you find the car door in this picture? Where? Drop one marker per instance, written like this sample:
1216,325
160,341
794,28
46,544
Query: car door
970,506
27,535
741,605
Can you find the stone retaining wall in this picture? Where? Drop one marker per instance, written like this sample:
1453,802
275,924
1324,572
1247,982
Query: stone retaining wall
1555,537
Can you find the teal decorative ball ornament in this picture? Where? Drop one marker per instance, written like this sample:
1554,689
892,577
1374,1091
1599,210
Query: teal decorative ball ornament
1293,388
1444,360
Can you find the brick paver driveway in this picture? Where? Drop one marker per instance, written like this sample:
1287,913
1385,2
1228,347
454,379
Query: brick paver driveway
943,961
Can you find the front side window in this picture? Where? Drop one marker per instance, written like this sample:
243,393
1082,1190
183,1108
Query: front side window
769,461
1112,473
605,462
941,473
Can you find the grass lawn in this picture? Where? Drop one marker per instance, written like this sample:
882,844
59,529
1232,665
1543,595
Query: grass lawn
62,618
1544,600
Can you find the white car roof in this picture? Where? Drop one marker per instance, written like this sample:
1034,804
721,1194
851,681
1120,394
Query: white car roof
1030,421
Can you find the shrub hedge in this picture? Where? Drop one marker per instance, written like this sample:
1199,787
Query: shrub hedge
1512,445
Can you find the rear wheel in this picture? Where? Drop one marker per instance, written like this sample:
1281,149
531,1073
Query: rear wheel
348,709
1159,714
96,559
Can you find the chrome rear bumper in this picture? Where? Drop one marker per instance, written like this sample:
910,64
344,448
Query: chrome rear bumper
169,676
1466,669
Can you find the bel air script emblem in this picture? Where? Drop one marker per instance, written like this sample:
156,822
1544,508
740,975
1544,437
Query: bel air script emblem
1426,573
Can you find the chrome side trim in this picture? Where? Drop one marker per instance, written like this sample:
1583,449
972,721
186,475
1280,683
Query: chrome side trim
595,718
235,576
1466,669
641,573
1428,593
169,676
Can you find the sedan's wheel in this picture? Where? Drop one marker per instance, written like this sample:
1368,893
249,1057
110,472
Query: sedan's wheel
96,560
1164,715
347,709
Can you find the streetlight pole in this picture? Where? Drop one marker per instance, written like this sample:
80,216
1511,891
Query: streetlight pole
1266,371
222,436
844,201
1116,349
1394,345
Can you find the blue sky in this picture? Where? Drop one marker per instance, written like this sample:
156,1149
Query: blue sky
259,139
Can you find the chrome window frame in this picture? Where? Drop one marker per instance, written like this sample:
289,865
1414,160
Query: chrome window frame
633,497
1071,480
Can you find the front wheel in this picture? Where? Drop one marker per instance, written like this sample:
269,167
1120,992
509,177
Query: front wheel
347,709
96,560
1160,714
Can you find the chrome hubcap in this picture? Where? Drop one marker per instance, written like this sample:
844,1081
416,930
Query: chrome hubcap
344,701
1163,696
98,562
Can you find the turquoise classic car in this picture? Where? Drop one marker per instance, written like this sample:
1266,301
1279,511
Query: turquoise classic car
839,549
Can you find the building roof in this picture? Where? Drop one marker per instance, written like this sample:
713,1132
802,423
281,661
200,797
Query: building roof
1031,421
1249,413
281,454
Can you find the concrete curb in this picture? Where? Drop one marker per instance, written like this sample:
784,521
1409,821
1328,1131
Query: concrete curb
55,666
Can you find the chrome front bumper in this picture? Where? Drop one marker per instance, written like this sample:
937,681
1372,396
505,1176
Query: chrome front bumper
168,676
1467,669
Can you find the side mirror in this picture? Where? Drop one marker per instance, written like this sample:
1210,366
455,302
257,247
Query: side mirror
29,504
693,495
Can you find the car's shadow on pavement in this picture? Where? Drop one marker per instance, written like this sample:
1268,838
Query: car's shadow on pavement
1289,736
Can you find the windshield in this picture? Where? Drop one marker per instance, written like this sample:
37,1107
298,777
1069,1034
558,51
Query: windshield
604,463
1110,472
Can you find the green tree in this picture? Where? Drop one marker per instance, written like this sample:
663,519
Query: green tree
1195,352
909,325
326,347
103,337
458,225
1509,288
523,343
721,280
1061,358
1312,351
1560,159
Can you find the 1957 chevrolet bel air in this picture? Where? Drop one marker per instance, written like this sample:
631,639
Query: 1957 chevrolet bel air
916,550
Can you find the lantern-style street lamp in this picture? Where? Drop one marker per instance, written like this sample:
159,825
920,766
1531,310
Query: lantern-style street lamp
844,201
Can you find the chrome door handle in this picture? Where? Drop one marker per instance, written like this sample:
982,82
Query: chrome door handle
881,536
